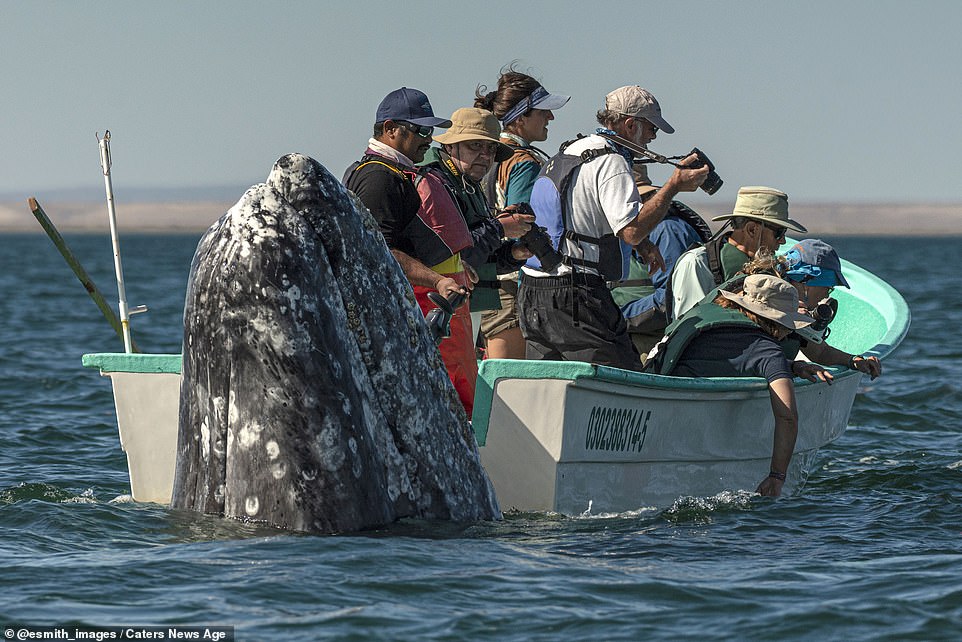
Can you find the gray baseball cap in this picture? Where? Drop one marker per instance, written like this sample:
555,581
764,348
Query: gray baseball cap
632,100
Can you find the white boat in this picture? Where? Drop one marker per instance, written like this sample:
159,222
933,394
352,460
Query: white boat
570,437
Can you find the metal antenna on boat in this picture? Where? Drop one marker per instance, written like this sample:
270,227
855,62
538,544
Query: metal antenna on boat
105,162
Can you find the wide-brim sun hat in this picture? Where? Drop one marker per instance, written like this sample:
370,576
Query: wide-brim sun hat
773,298
815,262
637,102
764,204
473,123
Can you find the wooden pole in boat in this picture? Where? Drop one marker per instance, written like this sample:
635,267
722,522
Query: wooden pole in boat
78,269
118,268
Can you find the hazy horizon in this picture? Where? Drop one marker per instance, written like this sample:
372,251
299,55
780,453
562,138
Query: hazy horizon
829,101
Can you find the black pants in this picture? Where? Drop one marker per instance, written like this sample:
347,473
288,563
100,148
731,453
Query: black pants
574,318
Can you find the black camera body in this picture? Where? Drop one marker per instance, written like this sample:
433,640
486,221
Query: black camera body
713,181
537,240
823,314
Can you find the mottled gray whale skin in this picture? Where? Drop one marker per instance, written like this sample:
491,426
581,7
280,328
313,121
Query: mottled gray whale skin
313,397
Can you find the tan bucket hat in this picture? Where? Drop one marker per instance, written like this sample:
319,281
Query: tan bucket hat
763,204
473,123
772,298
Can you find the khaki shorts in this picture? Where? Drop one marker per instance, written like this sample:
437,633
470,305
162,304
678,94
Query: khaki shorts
494,322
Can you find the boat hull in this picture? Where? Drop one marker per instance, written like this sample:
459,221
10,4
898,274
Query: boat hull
626,446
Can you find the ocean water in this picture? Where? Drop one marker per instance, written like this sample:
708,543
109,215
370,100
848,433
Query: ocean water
871,549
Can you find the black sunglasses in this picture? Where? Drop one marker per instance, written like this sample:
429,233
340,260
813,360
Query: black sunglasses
421,130
779,232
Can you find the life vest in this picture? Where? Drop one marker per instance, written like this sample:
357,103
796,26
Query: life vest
434,242
495,182
474,209
549,200
703,317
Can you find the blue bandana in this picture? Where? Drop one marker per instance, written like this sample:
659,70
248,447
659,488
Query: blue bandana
802,272
624,151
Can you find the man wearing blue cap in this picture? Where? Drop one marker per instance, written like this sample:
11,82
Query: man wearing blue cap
814,268
384,181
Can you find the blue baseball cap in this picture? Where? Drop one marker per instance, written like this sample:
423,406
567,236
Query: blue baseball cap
814,262
409,105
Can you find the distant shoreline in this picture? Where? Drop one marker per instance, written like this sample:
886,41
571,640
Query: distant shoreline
821,219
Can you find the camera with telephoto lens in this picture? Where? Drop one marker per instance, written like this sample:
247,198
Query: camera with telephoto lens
823,314
537,240
713,181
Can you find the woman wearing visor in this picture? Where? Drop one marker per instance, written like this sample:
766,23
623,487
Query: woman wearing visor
524,108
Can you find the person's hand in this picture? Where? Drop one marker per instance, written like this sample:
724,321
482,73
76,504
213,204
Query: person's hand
869,365
446,286
770,487
520,253
650,255
515,224
688,180
812,372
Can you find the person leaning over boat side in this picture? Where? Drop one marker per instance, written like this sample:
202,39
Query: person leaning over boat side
759,221
426,237
737,335
587,199
524,108
814,268
467,151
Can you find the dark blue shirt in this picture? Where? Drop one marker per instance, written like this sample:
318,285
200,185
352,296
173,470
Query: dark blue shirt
734,352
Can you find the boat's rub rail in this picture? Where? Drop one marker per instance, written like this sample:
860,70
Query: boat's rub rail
109,362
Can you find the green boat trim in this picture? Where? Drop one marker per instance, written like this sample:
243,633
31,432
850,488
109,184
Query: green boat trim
873,319
123,362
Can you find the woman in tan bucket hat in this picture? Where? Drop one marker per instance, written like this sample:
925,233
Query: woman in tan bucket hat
468,149
737,335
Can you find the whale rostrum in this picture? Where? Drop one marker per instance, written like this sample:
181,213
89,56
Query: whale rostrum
313,397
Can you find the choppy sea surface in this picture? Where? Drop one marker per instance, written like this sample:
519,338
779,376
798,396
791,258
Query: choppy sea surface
871,549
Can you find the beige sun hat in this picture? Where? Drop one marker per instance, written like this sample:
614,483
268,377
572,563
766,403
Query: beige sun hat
473,123
772,298
640,173
763,204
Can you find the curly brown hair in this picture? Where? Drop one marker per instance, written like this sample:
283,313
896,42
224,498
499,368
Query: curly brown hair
513,86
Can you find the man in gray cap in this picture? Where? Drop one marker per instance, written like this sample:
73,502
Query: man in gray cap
587,200
759,221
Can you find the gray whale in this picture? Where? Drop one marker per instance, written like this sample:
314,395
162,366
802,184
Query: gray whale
313,397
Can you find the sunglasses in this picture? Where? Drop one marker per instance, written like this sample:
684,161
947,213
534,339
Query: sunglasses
420,130
779,232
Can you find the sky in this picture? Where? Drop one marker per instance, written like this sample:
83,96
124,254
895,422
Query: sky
854,101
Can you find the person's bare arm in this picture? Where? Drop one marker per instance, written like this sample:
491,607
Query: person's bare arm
782,394
831,356
420,274
656,206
